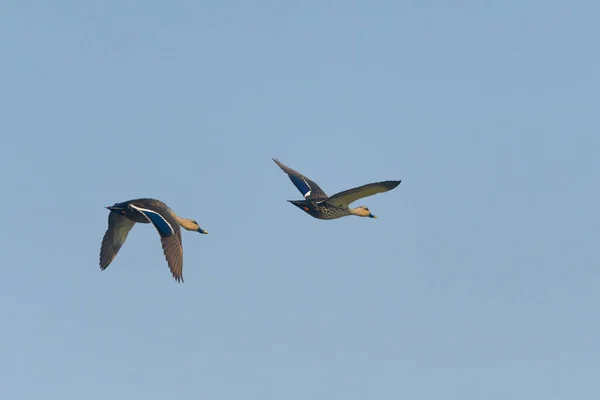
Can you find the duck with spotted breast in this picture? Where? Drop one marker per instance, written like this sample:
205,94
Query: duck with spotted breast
321,206
124,215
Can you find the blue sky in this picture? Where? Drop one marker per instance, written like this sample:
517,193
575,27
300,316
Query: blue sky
479,279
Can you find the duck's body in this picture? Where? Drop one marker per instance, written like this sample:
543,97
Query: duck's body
317,204
322,210
124,215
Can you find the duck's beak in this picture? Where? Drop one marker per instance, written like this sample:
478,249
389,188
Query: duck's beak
113,208
202,231
372,216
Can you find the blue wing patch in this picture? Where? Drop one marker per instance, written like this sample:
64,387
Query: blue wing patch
160,223
300,184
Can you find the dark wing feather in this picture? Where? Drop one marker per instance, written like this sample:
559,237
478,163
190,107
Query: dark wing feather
309,189
346,197
173,251
118,229
170,237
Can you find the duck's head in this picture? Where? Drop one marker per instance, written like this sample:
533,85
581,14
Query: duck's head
362,211
189,224
194,226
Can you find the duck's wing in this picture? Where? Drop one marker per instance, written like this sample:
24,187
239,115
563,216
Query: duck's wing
173,250
347,197
170,237
118,229
309,189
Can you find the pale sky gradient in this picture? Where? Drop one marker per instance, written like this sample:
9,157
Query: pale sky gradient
479,280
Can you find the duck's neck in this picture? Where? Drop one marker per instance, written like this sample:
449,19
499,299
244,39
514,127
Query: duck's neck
186,223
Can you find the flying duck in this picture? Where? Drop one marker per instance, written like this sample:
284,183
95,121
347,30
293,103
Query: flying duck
321,206
124,215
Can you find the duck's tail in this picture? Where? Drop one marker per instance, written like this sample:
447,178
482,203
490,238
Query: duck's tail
303,204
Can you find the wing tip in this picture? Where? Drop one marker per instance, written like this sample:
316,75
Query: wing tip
393,184
105,259
279,164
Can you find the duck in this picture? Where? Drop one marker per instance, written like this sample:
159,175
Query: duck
317,204
123,216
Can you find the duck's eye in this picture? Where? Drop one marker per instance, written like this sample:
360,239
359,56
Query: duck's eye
195,222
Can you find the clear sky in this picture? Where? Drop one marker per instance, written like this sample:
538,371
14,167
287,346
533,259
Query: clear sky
479,280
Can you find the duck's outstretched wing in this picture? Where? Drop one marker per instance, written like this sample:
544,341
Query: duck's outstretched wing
346,197
170,237
118,229
173,250
309,189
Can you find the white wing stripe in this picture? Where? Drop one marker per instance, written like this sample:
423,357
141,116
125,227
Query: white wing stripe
153,212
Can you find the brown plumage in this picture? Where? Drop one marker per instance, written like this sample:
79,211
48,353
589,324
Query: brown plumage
317,204
124,215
